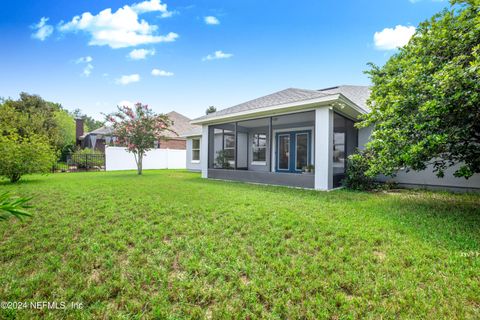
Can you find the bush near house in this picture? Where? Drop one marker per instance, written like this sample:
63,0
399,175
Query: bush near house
355,177
425,100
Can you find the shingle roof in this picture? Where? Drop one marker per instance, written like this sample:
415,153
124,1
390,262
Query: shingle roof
100,131
180,126
285,96
357,94
195,132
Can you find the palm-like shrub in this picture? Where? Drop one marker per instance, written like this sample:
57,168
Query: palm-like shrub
13,207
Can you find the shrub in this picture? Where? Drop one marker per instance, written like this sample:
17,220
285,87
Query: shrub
355,177
20,156
222,159
13,207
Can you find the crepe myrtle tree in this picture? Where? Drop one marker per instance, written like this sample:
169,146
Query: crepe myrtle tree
138,129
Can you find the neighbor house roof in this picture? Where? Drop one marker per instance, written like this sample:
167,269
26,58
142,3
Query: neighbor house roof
180,126
356,94
102,131
195,132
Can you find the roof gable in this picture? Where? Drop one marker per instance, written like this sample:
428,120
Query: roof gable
357,94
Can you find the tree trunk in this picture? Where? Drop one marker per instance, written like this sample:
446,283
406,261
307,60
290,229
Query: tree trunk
139,163
15,177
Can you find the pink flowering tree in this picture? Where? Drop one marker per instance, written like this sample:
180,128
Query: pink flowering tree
138,128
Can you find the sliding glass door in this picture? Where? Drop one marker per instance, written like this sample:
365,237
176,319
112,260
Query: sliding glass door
293,151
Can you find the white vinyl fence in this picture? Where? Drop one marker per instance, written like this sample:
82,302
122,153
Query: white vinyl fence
117,158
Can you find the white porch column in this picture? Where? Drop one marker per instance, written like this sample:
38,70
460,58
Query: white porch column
323,148
204,151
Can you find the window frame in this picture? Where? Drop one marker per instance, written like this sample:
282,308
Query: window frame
256,146
192,160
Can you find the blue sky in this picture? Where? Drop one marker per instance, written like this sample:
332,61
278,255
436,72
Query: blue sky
192,54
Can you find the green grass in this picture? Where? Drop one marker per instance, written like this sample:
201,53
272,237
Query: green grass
171,245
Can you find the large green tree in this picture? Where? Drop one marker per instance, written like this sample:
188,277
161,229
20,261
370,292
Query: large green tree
33,115
425,100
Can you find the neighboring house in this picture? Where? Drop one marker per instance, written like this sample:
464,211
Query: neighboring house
277,139
99,138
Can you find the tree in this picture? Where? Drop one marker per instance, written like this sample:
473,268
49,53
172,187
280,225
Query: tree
24,155
138,129
211,109
425,100
66,132
90,124
33,116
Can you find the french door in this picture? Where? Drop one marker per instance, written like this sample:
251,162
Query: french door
293,152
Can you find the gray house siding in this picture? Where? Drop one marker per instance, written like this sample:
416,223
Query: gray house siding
193,165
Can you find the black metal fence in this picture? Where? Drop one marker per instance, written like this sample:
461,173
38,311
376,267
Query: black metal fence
80,163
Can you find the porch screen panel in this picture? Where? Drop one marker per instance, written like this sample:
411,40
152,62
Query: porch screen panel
256,150
222,150
301,156
345,143
284,152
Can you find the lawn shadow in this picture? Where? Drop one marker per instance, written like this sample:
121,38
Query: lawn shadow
447,219
21,182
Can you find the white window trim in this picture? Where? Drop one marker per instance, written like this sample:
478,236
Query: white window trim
260,163
199,151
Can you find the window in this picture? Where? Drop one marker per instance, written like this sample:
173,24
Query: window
338,152
229,146
195,149
259,147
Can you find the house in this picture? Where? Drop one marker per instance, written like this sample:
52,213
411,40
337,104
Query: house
99,138
294,137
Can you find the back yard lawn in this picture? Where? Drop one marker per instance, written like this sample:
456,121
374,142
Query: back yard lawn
171,245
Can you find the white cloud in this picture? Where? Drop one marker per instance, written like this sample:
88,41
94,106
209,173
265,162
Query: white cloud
389,38
84,59
43,30
126,79
219,54
161,73
211,20
87,70
149,6
152,6
120,29
168,14
139,54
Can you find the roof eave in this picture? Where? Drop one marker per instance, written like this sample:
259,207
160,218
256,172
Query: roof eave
270,110
348,107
